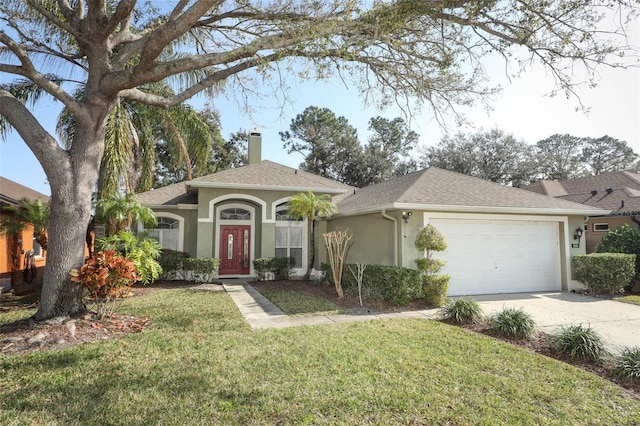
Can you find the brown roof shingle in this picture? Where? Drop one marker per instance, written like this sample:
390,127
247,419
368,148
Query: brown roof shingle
617,191
263,175
11,192
269,174
438,187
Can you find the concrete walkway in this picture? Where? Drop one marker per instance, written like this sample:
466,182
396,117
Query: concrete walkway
618,323
261,313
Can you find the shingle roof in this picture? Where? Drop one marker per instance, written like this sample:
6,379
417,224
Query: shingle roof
11,192
169,195
618,191
438,187
269,174
264,175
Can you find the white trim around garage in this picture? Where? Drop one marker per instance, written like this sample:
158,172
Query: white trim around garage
515,270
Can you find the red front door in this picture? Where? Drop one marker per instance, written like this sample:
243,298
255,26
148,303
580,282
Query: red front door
235,244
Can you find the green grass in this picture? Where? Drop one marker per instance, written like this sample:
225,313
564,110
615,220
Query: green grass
635,300
15,315
200,364
293,302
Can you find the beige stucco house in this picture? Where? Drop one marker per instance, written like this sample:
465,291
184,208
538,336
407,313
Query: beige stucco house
500,239
617,192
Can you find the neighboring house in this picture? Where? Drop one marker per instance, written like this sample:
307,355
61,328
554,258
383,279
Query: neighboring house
618,192
500,239
13,248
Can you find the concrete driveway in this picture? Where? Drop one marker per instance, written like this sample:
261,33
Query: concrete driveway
617,323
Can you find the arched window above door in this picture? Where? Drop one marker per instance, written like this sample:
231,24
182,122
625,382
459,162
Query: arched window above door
235,213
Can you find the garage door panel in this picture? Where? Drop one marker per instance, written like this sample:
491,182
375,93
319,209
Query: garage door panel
499,256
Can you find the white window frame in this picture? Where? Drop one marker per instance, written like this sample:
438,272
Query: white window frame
37,249
180,220
299,269
595,225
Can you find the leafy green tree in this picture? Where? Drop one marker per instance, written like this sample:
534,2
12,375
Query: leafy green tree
386,154
311,207
490,155
606,155
331,147
328,143
560,157
391,51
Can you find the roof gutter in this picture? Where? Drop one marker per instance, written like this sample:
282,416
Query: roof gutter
395,234
478,209
251,186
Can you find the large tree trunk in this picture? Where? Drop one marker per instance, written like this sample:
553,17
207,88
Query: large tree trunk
71,189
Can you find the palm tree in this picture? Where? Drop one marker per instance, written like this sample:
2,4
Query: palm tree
133,129
310,206
119,212
33,212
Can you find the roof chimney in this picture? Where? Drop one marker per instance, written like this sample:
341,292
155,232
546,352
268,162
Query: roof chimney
255,146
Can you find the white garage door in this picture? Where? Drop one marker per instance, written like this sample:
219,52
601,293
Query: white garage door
500,256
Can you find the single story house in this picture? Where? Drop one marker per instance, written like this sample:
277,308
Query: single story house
500,239
14,247
617,192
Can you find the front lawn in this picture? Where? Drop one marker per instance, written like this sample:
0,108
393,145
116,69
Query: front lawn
290,302
635,300
199,363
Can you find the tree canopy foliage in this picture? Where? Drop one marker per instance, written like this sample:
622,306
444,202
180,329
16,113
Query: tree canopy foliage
331,147
497,156
491,155
398,51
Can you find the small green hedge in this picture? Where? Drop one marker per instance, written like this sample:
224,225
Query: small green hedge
605,271
381,282
177,265
280,267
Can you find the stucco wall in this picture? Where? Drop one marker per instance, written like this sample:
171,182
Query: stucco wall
190,226
372,239
594,237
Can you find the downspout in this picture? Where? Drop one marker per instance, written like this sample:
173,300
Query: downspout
395,235
635,220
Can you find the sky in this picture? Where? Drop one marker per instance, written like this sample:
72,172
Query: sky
522,108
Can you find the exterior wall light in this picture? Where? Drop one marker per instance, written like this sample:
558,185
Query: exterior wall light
577,235
406,216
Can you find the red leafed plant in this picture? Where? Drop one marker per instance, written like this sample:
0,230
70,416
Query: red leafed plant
108,278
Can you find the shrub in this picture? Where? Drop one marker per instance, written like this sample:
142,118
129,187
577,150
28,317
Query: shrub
262,267
627,364
577,341
513,323
279,267
203,269
387,283
461,310
171,263
142,251
107,278
604,271
624,239
435,288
